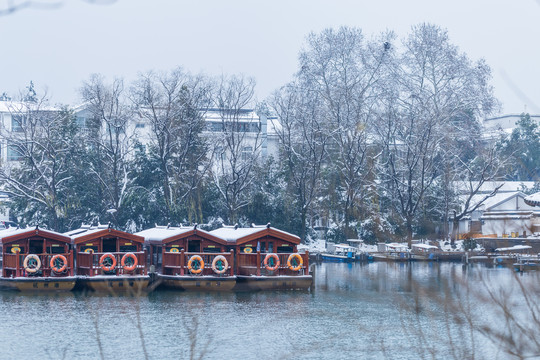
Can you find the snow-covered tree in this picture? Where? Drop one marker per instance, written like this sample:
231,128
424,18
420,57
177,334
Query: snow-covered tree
109,143
433,83
42,146
237,144
173,104
304,137
344,69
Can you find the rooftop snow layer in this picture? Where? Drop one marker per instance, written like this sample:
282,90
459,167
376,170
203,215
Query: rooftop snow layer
232,234
160,233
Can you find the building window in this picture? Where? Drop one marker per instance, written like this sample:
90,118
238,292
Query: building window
17,122
247,151
81,122
13,154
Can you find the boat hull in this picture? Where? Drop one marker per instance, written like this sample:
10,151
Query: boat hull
197,283
255,283
115,284
390,257
47,284
336,258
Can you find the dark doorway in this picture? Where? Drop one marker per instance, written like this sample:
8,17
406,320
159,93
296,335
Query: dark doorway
109,245
194,246
35,247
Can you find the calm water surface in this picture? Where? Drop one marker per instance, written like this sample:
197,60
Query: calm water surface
367,311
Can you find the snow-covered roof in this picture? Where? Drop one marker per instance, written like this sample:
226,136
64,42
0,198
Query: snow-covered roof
424,246
515,247
85,230
533,200
233,234
344,246
493,201
488,186
18,107
160,233
8,233
396,246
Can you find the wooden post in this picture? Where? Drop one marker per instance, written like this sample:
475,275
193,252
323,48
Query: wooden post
72,260
17,263
145,264
232,262
91,255
182,261
306,262
258,262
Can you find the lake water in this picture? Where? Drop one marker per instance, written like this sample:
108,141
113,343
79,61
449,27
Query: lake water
368,311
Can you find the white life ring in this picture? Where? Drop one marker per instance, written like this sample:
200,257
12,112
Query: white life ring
32,266
225,265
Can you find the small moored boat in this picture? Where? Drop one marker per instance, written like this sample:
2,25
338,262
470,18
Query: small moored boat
110,260
188,258
36,260
266,258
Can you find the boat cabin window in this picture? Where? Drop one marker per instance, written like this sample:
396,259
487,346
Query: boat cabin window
270,247
109,245
285,249
263,246
128,248
194,246
35,247
55,250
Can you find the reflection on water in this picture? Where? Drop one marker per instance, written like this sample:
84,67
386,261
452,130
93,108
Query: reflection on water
354,311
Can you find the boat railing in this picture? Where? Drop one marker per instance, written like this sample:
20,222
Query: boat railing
89,264
254,264
13,265
177,263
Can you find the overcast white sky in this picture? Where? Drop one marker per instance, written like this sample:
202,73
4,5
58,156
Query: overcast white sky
60,48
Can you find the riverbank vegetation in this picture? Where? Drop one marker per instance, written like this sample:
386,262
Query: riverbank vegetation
377,136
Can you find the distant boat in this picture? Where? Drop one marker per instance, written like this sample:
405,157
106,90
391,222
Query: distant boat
339,253
392,252
527,263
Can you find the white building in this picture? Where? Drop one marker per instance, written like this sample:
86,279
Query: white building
503,215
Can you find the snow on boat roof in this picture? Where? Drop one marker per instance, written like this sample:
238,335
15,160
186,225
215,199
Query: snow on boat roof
233,233
86,230
424,246
16,231
396,245
160,233
515,247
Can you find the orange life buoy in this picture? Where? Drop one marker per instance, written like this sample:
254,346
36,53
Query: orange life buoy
55,266
32,263
295,259
268,258
195,264
134,261
220,264
107,262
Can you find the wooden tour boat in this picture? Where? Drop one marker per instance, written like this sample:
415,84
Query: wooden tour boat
188,258
266,258
35,259
110,260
